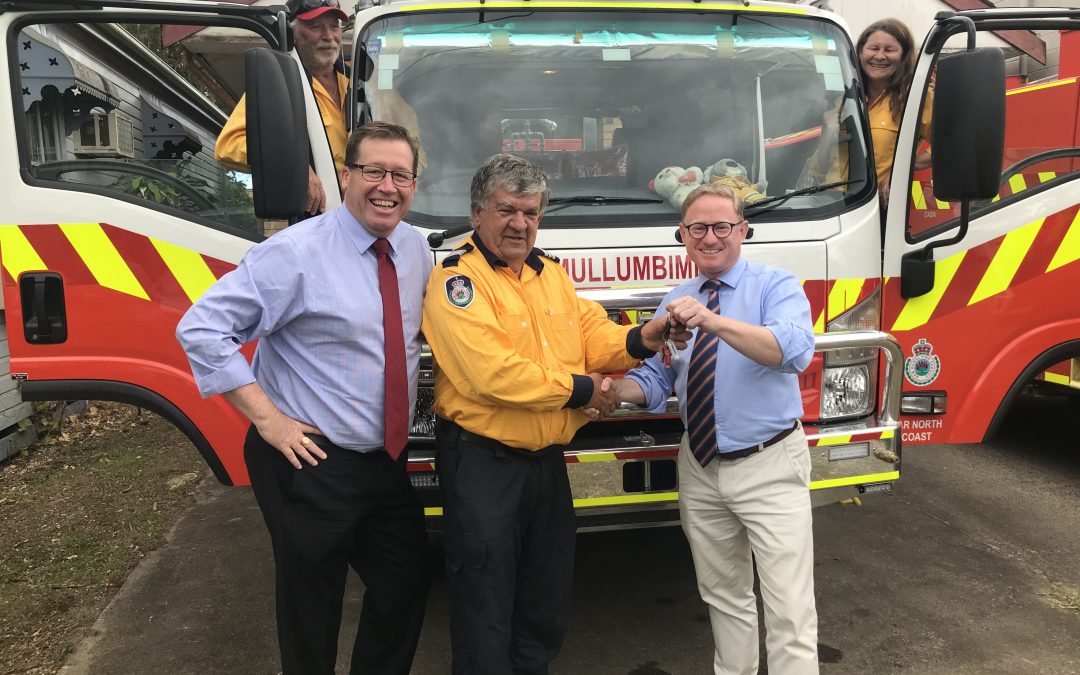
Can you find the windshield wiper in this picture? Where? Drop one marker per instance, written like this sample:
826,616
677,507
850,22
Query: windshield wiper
601,199
780,199
561,203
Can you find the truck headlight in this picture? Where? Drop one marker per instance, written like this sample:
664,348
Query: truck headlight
846,391
849,380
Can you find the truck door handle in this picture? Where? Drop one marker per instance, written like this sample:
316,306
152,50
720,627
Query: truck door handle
44,313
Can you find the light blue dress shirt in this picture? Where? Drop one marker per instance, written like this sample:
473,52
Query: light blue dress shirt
310,295
753,402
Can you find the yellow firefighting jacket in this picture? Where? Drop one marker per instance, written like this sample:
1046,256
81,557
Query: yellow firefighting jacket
507,349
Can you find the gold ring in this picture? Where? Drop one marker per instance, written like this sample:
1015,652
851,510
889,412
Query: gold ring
305,440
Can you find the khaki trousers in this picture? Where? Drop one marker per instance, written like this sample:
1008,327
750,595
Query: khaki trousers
736,512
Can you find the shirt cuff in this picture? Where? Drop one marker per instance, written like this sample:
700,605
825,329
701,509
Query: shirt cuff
635,346
235,374
583,391
645,389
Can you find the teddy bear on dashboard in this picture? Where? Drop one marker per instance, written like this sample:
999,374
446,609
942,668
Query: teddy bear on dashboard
731,173
673,183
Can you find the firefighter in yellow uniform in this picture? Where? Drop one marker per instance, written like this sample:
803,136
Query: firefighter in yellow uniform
317,28
518,357
317,37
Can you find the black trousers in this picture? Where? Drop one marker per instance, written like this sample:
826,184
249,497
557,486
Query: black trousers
352,510
509,531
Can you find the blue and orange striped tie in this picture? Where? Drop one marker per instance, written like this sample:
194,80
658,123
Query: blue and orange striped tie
701,385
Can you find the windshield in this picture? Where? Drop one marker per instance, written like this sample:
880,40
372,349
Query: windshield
607,102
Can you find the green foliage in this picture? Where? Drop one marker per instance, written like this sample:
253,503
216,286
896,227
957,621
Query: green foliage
178,58
47,416
150,189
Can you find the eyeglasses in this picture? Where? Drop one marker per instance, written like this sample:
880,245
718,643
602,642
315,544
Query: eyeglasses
375,174
720,230
508,212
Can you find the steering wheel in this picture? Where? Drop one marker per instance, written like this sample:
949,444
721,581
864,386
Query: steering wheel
1016,168
54,170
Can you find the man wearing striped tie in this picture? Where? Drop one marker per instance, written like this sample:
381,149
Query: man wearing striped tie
744,465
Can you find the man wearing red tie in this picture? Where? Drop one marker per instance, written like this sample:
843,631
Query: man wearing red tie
744,465
335,303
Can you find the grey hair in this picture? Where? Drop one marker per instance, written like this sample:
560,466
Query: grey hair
518,176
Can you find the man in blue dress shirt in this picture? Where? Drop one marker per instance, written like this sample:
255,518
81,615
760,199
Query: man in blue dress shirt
744,465
324,457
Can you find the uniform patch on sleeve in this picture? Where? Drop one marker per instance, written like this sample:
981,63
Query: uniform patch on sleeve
459,291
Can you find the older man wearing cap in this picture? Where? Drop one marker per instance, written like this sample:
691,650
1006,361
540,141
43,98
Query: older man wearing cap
317,36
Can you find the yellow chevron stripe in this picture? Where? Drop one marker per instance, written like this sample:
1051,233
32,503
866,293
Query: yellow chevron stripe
917,311
843,296
855,480
1046,175
102,258
942,204
632,314
1017,183
888,434
585,458
1067,252
189,268
834,440
917,195
18,253
1014,247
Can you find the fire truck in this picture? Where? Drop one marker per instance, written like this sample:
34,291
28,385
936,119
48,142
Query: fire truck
931,313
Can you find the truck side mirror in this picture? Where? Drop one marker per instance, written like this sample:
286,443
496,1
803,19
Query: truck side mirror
916,274
968,127
277,142
968,142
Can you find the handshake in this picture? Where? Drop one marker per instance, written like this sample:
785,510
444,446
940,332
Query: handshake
664,333
607,395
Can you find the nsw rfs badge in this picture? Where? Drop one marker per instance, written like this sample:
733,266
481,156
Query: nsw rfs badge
459,291
923,366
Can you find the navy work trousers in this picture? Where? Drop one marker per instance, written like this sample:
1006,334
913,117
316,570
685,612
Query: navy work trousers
509,531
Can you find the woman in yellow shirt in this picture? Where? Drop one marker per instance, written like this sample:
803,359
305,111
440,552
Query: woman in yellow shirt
887,62
886,55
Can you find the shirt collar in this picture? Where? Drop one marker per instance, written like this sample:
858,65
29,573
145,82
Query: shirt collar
730,278
532,260
359,235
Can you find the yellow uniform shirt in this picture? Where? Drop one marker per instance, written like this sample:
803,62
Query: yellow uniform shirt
506,349
231,147
883,132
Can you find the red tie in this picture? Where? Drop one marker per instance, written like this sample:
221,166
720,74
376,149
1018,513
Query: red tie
396,378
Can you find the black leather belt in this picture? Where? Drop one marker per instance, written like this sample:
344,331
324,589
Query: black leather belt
454,431
754,449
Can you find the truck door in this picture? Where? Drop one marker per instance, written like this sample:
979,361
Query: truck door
1000,310
118,216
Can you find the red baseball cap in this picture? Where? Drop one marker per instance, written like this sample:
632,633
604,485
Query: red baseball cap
306,10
